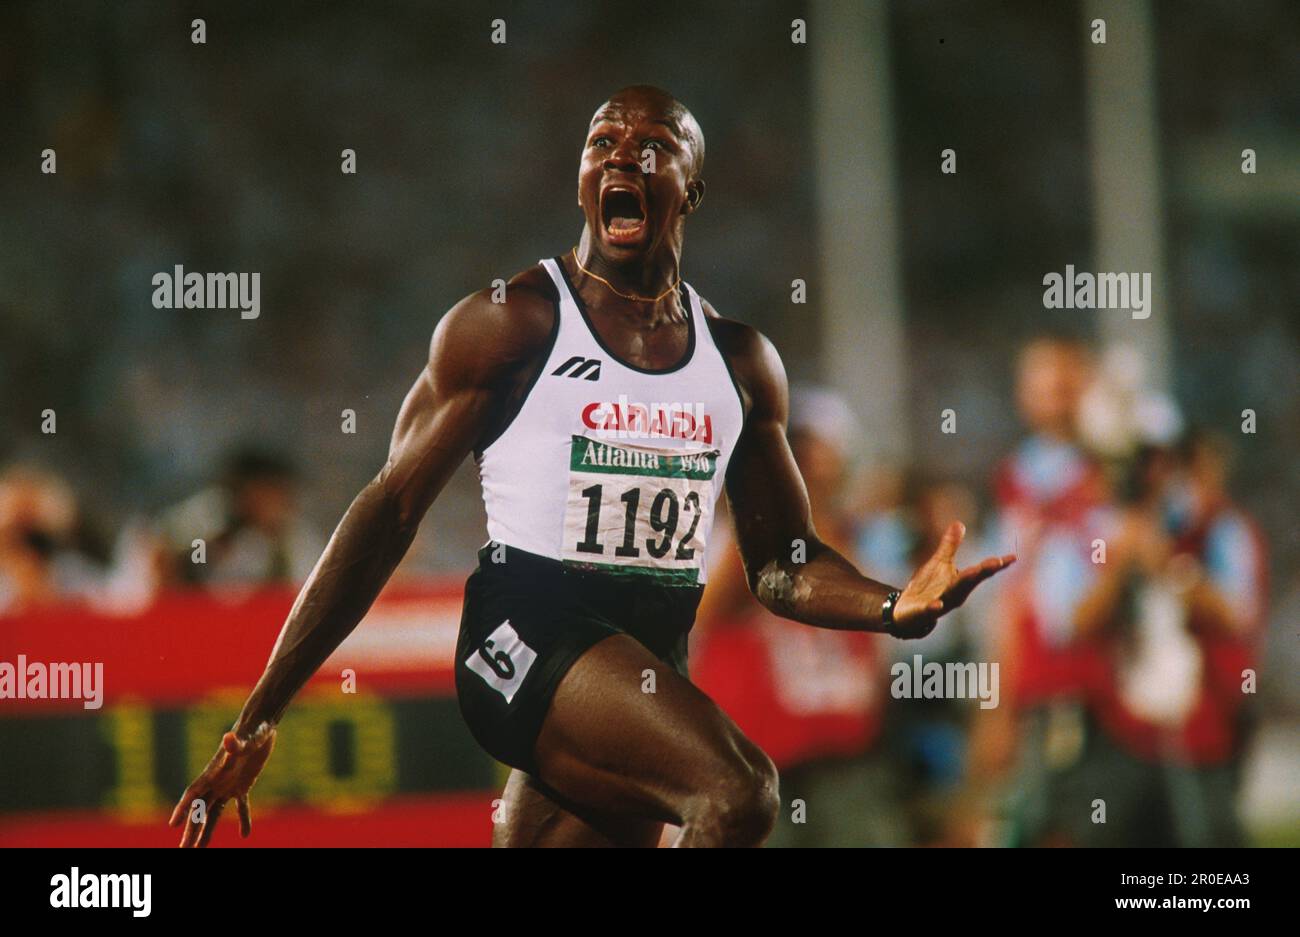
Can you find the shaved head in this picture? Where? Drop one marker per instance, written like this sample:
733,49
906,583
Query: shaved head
672,112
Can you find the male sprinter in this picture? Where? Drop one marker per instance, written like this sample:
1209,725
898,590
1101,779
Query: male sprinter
606,405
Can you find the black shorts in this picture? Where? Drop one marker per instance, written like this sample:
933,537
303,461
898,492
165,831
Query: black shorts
527,619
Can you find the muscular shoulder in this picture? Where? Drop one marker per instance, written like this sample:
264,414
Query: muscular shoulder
754,362
481,339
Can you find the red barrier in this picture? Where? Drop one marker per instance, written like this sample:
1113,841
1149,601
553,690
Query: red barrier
391,764
436,820
187,644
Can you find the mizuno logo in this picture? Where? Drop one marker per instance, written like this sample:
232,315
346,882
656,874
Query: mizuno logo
578,366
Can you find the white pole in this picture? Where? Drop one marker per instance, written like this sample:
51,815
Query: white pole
859,290
1126,204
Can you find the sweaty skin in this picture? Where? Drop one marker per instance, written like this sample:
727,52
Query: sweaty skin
614,763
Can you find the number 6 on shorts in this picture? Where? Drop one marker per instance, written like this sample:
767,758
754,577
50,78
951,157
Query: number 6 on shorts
503,660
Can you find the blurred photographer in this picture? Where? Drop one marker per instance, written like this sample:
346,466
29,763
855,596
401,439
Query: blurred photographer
250,524
1179,602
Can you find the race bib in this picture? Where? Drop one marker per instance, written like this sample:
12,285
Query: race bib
638,510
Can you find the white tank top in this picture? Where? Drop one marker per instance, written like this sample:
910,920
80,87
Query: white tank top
611,467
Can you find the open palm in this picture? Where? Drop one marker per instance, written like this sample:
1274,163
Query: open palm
939,586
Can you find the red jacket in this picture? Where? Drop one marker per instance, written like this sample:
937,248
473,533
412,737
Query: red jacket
1210,733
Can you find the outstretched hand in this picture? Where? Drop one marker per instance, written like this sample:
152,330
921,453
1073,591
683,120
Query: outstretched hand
230,774
939,586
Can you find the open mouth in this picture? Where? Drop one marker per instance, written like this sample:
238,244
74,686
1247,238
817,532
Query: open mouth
623,215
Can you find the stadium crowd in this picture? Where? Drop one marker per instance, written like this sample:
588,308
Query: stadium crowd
1126,636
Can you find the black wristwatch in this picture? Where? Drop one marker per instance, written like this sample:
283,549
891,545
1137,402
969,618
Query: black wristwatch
887,608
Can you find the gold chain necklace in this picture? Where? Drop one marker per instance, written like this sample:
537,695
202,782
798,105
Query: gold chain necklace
639,299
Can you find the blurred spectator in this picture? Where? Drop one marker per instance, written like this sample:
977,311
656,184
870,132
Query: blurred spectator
926,738
1050,498
1180,600
41,555
142,567
249,523
812,698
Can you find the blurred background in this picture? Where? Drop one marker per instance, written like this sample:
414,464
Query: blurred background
930,384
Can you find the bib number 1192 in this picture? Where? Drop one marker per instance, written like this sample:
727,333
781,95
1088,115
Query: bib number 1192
666,513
